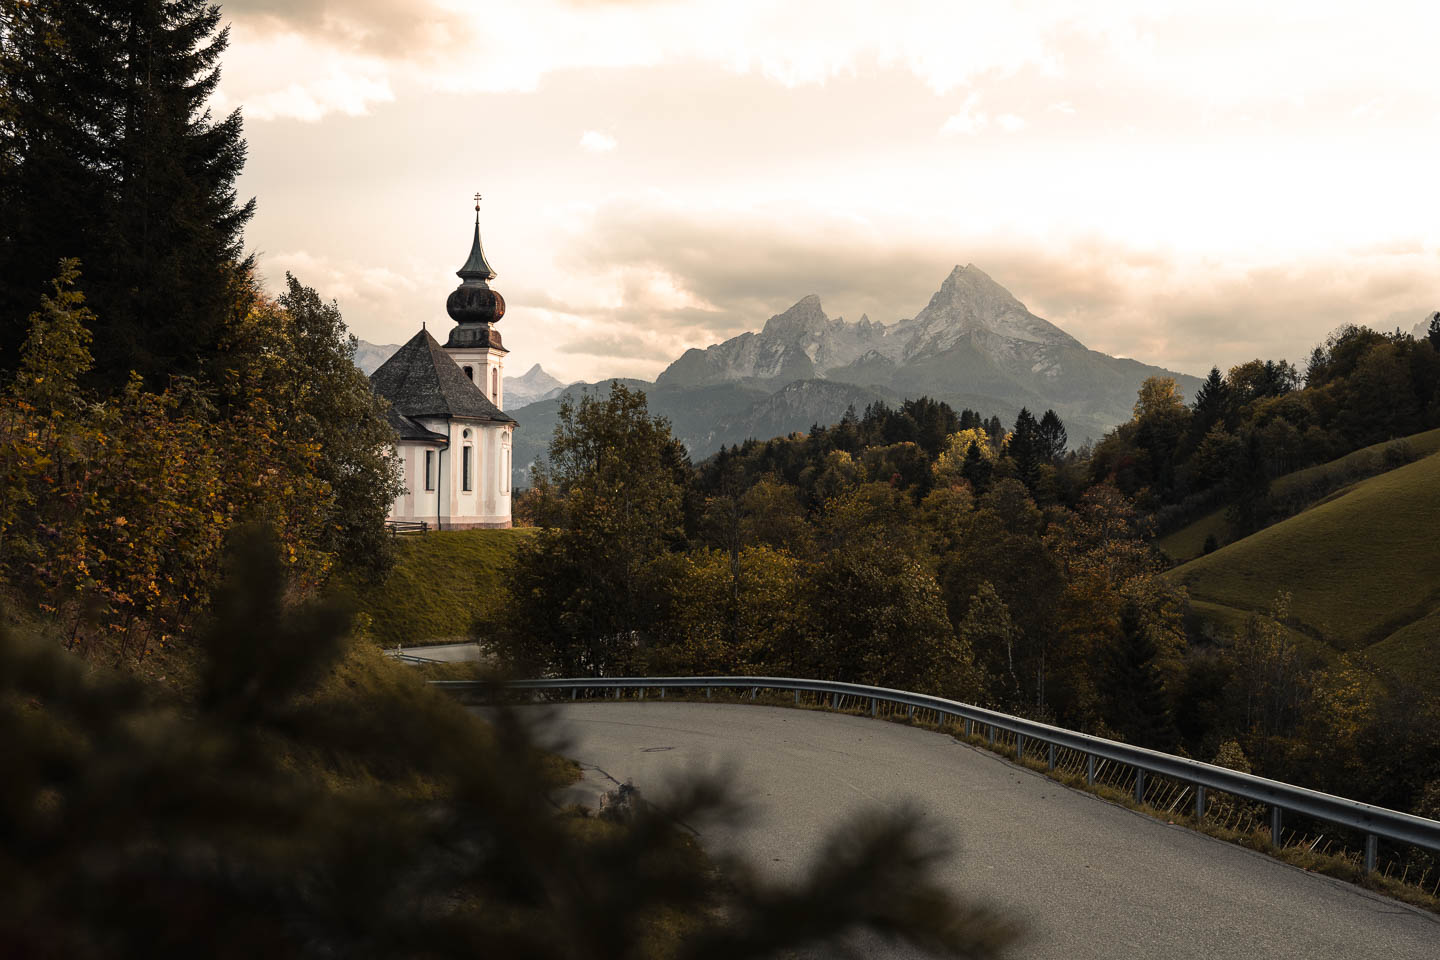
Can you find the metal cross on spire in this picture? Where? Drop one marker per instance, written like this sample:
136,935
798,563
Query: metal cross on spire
477,208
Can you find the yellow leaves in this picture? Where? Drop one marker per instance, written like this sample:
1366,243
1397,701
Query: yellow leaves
121,521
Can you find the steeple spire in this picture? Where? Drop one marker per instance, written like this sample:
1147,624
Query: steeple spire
476,268
473,305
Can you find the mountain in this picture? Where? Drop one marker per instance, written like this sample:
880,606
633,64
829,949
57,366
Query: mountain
369,356
535,384
972,345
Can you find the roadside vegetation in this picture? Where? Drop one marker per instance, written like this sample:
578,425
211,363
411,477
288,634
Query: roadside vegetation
440,583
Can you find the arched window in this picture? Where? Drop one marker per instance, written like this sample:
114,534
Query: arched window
467,464
469,372
495,384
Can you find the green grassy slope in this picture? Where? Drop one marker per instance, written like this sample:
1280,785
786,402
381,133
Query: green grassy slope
441,581
1363,567
1188,542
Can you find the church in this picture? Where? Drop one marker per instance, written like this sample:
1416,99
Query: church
448,409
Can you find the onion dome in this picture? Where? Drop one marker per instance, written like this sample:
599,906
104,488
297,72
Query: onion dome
473,305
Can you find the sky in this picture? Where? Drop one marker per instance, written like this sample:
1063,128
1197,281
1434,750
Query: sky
1188,184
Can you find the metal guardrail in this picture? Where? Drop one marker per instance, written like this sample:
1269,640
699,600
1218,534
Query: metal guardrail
1375,822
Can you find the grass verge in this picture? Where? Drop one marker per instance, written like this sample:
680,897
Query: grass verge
441,582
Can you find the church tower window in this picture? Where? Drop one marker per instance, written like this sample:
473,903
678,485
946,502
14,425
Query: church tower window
495,385
469,372
429,469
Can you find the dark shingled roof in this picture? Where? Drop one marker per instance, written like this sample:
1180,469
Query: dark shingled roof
421,380
410,430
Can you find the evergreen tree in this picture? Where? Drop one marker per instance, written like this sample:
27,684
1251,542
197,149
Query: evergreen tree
1136,702
977,469
1027,448
1212,403
1433,335
108,154
1053,437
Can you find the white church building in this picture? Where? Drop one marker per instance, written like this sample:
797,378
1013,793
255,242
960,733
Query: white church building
447,406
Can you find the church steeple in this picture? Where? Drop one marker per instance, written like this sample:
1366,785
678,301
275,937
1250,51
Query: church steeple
476,267
473,305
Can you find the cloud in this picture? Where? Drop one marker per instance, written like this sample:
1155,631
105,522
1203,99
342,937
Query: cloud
593,141
1010,122
968,120
367,295
673,279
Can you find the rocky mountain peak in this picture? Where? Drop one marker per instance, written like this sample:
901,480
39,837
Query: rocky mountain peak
805,317
969,302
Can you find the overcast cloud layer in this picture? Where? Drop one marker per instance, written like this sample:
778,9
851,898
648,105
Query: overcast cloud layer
1185,185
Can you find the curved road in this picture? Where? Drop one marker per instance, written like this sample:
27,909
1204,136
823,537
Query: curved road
1090,878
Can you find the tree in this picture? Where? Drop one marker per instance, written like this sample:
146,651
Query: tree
1053,437
1136,703
1027,448
235,825
1212,402
332,406
585,598
1433,333
892,629
992,635
1161,420
108,153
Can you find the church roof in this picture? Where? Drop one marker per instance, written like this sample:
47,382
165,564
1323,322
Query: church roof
408,429
421,380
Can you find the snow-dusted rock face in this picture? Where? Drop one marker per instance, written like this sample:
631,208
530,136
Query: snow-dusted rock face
969,303
530,387
803,341
973,344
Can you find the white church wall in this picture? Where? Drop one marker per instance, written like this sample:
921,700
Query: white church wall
415,502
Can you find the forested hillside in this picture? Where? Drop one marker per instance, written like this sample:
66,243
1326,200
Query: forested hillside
925,548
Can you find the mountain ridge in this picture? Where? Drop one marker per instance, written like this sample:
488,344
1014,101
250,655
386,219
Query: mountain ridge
972,343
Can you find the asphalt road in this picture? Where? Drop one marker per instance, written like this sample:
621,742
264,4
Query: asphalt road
445,652
1088,877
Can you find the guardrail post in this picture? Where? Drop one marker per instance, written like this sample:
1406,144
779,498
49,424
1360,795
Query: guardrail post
797,698
911,712
617,693
662,693
753,691
1019,748
1371,843
1199,801
992,734
1275,823
707,693
572,693
874,706
1090,769
1139,785
967,728
642,693
1050,759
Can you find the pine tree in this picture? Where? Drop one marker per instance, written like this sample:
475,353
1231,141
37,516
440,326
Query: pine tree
1212,402
108,154
1027,448
1053,436
1433,335
976,469
1137,706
